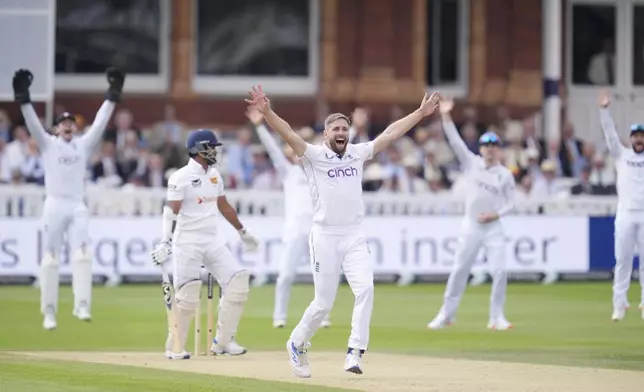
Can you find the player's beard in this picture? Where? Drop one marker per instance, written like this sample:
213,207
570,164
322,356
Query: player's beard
638,147
338,148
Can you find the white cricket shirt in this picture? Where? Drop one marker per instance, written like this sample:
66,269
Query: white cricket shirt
489,189
335,184
198,190
630,168
298,206
66,161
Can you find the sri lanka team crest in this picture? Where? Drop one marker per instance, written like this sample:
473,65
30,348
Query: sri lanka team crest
213,180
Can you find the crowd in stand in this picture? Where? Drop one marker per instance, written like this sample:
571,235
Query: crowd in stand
423,162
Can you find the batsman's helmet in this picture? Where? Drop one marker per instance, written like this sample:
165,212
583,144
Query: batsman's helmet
203,143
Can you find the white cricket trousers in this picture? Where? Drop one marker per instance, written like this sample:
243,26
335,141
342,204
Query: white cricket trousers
334,251
294,249
473,237
629,234
190,254
61,217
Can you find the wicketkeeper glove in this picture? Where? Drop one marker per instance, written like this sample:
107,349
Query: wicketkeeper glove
21,82
116,79
161,253
251,243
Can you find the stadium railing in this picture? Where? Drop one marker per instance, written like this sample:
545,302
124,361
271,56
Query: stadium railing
27,201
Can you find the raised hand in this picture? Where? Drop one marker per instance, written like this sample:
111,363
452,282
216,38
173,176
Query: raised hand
116,79
258,99
254,115
604,98
429,104
445,105
21,82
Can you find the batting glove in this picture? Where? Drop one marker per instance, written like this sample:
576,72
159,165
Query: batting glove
251,243
161,253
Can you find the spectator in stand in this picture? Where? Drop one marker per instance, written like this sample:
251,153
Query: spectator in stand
5,126
264,177
416,183
602,176
361,127
307,133
153,174
437,145
570,152
433,169
504,122
18,149
525,187
170,129
107,170
531,140
33,168
471,119
470,135
584,187
547,186
5,170
240,160
396,176
532,165
513,151
124,123
174,155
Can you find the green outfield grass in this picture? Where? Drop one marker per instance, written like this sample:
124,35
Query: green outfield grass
564,324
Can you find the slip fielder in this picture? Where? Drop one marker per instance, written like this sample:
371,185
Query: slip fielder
298,217
337,240
629,219
195,199
65,158
490,197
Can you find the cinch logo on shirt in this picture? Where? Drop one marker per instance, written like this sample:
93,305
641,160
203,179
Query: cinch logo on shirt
488,187
635,163
68,160
337,173
206,199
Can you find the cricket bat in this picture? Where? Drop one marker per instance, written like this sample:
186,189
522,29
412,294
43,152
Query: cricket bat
168,298
210,310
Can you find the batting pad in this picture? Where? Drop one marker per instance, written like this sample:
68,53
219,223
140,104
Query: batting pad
49,283
186,301
82,279
231,307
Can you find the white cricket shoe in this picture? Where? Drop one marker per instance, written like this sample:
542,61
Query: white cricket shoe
232,348
499,324
49,323
618,314
352,361
299,360
326,323
279,324
82,313
177,356
439,322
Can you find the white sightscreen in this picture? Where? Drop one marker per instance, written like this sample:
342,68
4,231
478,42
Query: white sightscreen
27,39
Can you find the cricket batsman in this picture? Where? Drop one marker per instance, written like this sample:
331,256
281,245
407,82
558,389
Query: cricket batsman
629,219
65,159
195,199
490,197
298,217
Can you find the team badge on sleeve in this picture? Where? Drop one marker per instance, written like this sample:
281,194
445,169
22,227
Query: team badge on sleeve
213,180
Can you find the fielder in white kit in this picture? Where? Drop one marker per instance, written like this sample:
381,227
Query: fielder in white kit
298,216
337,241
65,158
629,219
195,199
490,197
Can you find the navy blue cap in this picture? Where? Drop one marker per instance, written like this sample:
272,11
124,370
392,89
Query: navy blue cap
637,128
489,138
64,116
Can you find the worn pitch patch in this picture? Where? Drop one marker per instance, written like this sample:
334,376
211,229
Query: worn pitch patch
382,372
